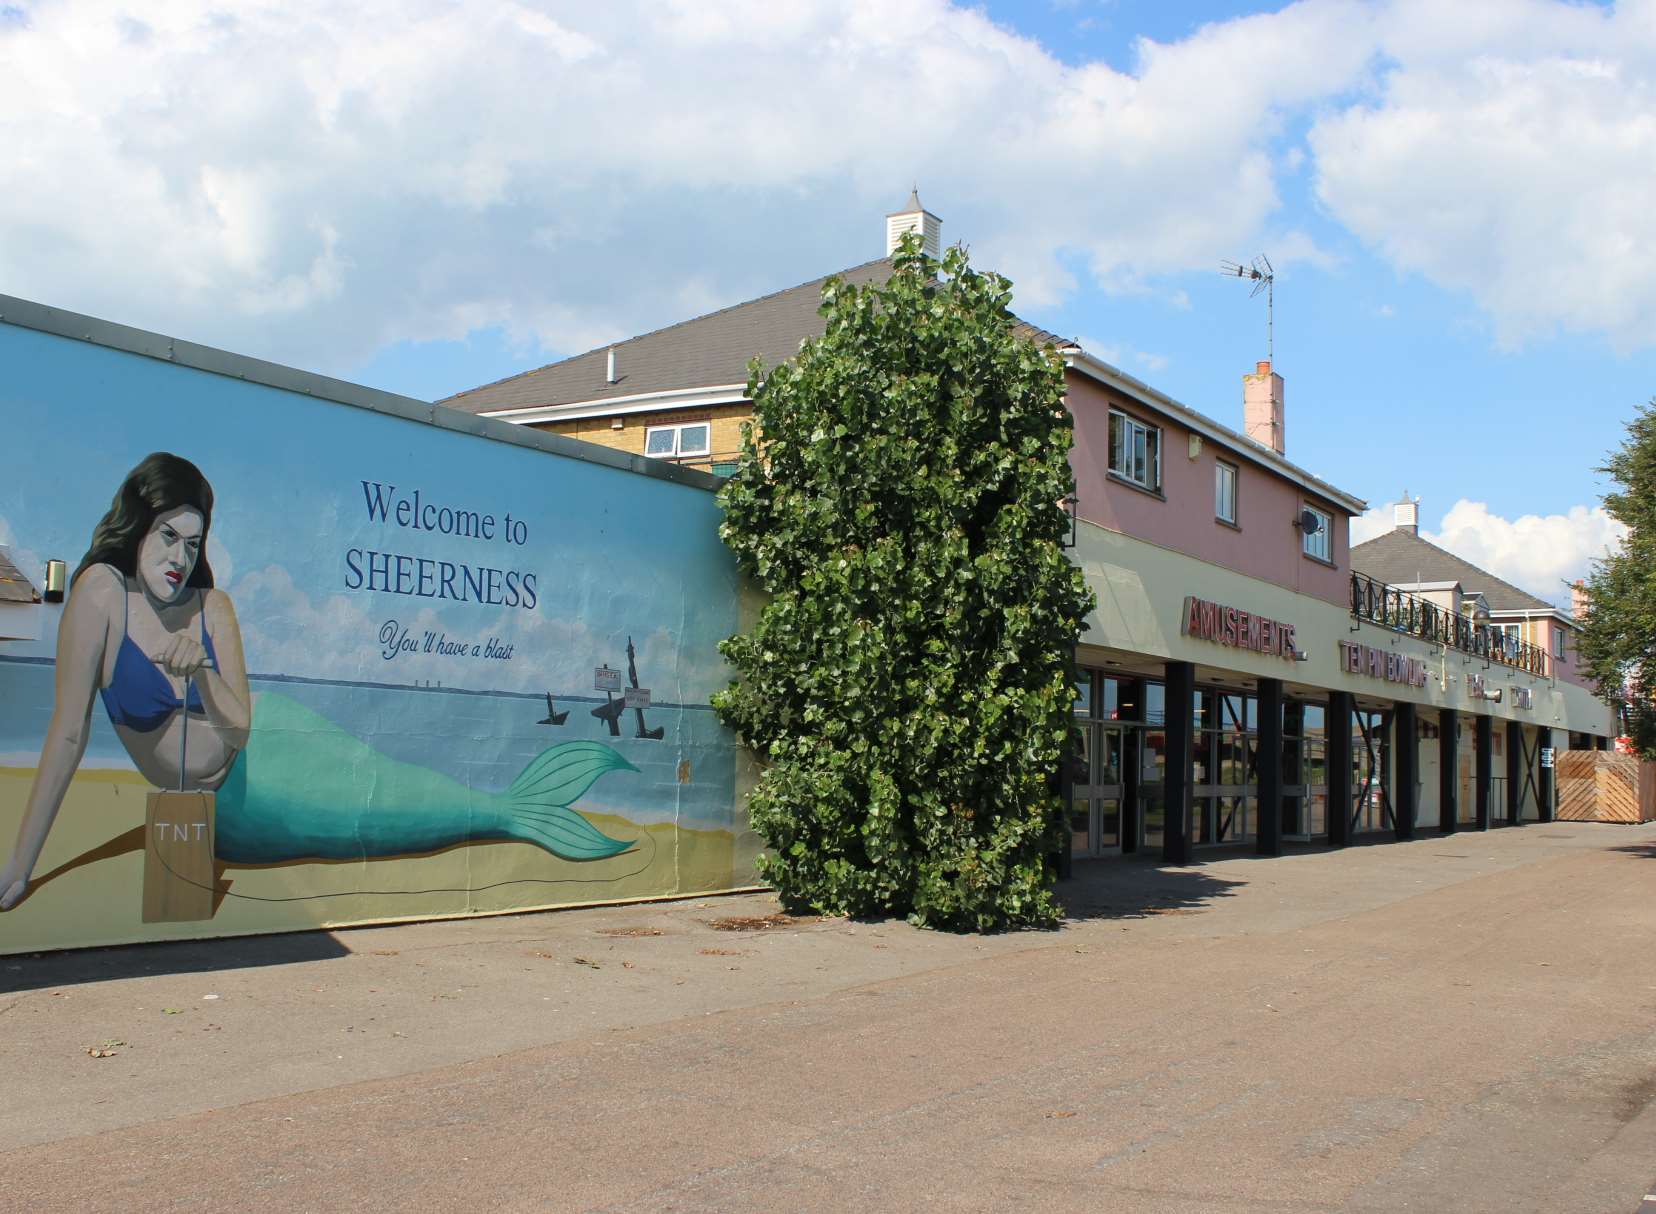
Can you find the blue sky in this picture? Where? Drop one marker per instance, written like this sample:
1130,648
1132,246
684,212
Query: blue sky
1456,199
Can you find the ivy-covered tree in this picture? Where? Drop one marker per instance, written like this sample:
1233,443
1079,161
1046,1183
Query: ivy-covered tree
1618,637
908,683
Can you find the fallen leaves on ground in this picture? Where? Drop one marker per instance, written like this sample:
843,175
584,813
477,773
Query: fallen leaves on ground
759,923
630,932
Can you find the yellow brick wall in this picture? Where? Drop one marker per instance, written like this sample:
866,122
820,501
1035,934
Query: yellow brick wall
726,436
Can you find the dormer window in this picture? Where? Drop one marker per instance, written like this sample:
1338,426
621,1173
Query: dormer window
678,442
1135,451
1316,542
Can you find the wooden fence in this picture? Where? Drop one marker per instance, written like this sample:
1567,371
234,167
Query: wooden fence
1601,786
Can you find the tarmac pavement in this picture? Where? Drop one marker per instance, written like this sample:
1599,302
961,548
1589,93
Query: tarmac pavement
1464,1023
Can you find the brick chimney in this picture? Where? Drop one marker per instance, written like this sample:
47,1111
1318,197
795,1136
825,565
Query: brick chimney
1262,407
1579,601
1406,515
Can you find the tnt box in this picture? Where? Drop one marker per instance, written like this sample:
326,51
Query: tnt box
178,857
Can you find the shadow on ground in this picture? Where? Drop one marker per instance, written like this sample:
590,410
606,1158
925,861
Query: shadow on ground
34,971
1647,850
1130,889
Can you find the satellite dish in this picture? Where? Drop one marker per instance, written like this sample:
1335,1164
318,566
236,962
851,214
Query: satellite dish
1308,522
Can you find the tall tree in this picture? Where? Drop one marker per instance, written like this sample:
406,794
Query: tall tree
908,684
1618,637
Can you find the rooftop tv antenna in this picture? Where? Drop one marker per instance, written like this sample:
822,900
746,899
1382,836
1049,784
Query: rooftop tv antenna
1263,277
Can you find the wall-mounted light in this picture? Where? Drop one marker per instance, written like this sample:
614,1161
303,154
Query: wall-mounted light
57,581
1069,504
617,423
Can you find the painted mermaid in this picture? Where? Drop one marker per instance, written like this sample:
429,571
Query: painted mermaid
145,631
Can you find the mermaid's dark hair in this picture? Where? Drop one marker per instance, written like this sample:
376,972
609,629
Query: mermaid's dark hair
161,482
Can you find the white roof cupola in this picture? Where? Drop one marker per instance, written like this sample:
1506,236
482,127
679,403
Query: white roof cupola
915,218
1406,514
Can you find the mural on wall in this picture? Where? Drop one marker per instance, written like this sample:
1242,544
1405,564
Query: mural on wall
382,721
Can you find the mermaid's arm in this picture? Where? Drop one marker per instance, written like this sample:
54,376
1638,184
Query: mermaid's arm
224,691
82,636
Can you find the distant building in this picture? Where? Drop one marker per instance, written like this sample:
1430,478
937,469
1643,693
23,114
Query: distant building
1403,560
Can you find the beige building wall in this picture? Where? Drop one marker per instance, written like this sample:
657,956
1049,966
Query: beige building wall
1141,590
626,431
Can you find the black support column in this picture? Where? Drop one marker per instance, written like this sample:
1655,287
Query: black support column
1485,742
1406,770
1339,768
1515,771
1181,753
1270,767
1131,703
1544,778
1448,770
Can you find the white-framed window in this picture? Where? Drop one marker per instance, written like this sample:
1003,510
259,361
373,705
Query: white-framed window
1319,541
1135,451
680,441
1224,491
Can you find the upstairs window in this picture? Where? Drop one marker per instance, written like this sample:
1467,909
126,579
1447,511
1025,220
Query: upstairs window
1135,451
1224,492
678,442
1319,543
1558,641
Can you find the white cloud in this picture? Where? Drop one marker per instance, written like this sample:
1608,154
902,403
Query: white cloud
312,181
1510,152
1539,553
1375,521
1121,356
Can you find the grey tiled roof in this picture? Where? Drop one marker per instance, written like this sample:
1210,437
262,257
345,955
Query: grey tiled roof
14,587
705,352
1400,558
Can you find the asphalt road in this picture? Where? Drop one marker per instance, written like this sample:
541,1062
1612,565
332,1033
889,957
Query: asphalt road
1460,1024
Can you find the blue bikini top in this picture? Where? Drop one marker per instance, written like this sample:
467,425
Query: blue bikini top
139,696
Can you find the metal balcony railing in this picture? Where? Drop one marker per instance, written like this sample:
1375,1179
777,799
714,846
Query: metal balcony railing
719,465
1400,611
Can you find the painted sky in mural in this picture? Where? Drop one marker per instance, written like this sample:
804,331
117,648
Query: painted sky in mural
427,593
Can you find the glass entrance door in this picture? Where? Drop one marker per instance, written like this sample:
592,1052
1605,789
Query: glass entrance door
1098,769
1304,771
1224,804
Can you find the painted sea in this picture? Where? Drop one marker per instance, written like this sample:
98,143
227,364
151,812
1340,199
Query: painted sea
477,736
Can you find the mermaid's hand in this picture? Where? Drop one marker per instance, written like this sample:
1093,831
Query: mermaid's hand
183,656
13,885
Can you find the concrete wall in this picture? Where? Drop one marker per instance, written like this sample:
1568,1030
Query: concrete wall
404,758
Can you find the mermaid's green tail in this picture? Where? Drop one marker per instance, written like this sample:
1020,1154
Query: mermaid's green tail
306,789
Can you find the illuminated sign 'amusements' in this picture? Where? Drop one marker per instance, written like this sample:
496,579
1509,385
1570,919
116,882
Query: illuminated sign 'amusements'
1210,621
